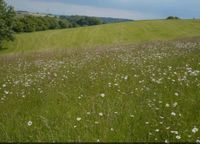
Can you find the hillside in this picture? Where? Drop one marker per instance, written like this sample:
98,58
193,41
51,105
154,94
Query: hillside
104,35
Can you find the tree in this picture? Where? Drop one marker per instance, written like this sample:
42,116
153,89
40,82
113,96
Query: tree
64,23
172,18
52,22
76,21
93,21
7,15
29,24
18,25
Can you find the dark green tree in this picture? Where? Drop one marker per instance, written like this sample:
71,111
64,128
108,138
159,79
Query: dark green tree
93,21
64,23
172,18
29,24
52,23
18,25
7,15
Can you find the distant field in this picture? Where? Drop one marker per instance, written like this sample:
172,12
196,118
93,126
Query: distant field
103,35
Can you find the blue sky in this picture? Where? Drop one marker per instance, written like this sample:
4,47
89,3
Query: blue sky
131,9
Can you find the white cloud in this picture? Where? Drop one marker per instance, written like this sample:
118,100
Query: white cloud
72,9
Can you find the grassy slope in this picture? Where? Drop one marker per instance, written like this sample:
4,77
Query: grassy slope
129,32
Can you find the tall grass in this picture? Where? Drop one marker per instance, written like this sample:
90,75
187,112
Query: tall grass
134,93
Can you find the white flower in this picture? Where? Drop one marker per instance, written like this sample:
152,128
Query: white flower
88,113
178,137
126,77
4,85
174,132
29,123
167,105
75,126
161,117
173,114
132,116
100,114
96,122
157,130
194,130
146,123
197,141
102,95
98,140
6,92
116,84
116,112
78,118
112,129
166,141
176,94
175,104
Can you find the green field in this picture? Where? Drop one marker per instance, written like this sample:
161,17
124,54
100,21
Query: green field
126,82
121,33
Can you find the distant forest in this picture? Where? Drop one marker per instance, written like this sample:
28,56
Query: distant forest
26,22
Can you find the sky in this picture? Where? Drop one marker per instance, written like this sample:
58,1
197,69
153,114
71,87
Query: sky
129,9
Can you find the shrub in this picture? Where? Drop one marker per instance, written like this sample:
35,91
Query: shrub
172,18
6,22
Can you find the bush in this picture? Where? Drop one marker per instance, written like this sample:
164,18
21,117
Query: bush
172,18
6,22
18,26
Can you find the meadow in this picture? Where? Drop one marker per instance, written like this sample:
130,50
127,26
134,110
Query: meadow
126,82
104,35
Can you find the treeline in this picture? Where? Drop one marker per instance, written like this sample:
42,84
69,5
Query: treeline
29,23
79,21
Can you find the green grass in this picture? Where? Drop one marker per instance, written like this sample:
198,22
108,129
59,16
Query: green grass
103,35
123,92
54,89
